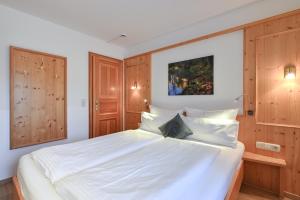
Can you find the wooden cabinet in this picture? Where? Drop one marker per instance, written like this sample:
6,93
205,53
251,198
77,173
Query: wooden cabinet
137,89
264,172
38,97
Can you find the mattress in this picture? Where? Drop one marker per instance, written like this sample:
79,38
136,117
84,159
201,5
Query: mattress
213,185
217,179
162,170
62,160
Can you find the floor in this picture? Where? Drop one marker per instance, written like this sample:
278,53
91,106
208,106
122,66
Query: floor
250,193
6,191
247,193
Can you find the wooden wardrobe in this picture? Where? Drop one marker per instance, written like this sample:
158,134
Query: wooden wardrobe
137,89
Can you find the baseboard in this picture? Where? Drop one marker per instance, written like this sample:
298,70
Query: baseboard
5,181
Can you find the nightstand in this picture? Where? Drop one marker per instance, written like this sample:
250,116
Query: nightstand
264,172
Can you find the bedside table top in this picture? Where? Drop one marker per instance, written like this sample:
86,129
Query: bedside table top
258,158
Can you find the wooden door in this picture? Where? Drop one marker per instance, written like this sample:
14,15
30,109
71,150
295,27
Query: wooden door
105,95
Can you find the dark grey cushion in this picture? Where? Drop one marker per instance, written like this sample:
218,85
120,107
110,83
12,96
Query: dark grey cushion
175,128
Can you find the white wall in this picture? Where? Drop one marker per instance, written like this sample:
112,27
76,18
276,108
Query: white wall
243,15
26,31
228,73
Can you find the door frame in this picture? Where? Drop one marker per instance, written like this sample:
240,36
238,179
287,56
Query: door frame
91,89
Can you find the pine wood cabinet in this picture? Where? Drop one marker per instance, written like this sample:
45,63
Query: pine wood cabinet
38,97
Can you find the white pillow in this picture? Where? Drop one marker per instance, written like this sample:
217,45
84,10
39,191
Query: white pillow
219,114
214,131
162,111
152,122
222,114
194,112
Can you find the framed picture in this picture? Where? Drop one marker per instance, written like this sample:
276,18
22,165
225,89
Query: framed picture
192,77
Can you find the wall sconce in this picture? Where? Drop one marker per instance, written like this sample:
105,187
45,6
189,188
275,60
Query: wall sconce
146,102
135,86
290,72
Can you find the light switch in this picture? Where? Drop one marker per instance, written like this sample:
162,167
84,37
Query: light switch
83,102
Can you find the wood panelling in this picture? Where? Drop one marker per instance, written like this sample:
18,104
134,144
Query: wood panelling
106,91
251,131
137,73
38,97
132,120
278,100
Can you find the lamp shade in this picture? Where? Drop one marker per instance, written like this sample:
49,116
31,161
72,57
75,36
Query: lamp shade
290,72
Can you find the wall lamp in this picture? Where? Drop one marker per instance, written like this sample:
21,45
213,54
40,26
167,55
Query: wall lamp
290,72
135,86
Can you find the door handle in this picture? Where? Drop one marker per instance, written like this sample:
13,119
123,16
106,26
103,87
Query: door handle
97,105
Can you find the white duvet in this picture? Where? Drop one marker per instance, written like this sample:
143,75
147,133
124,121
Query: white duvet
60,161
161,170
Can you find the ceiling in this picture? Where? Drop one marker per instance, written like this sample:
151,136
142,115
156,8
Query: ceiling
140,20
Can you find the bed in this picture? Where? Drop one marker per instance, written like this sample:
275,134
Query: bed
203,171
